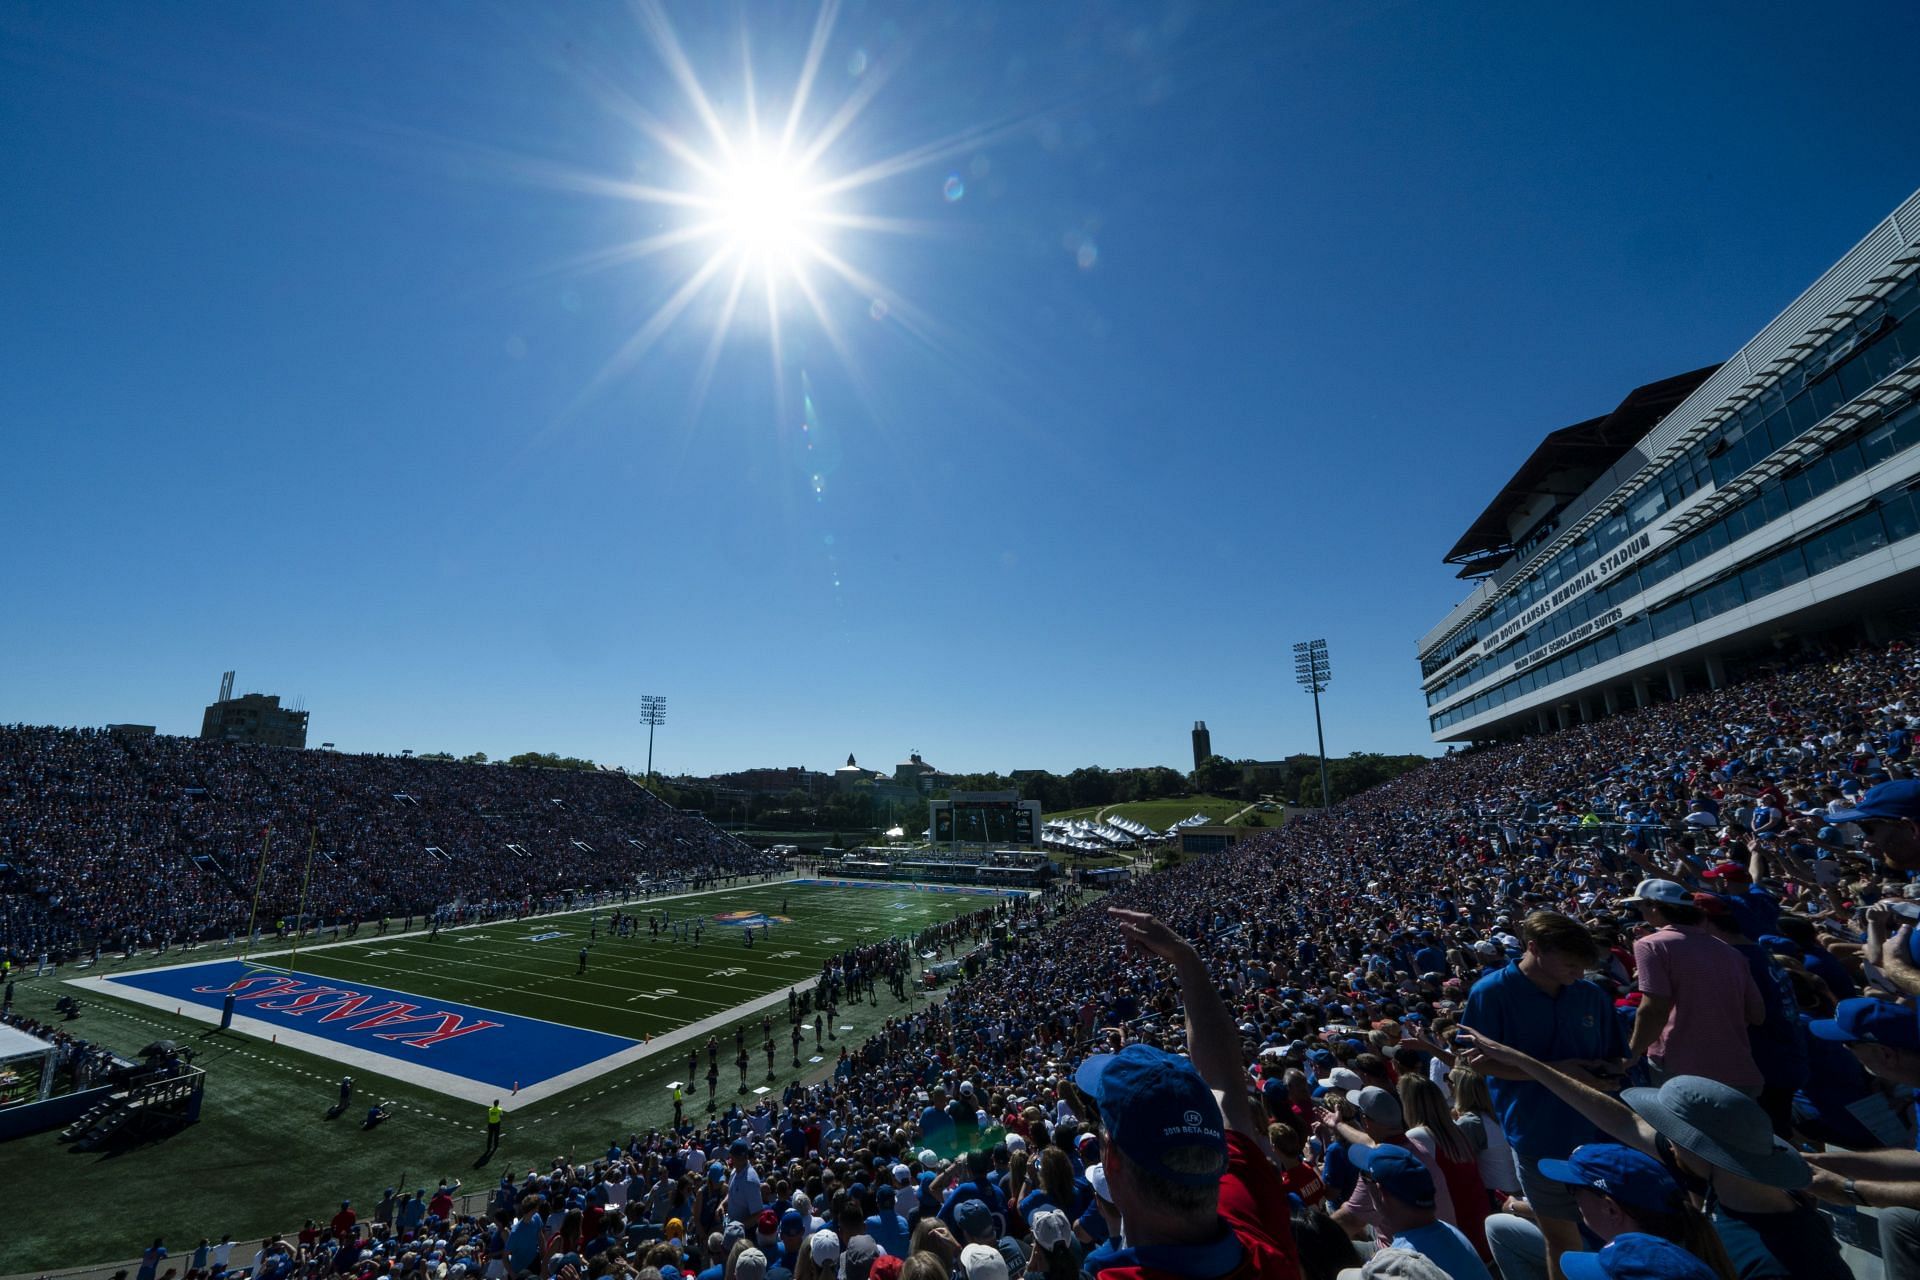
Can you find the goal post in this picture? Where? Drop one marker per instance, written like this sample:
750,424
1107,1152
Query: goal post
259,879
264,965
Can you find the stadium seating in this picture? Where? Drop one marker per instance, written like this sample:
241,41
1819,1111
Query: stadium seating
1347,939
118,842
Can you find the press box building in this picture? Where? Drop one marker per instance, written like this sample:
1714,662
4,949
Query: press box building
1709,521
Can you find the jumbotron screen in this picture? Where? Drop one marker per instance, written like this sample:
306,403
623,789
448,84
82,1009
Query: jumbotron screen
1006,823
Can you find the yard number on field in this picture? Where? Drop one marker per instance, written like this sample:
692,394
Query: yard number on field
726,973
658,993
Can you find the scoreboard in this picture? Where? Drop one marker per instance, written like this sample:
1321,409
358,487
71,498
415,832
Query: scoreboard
1005,822
990,817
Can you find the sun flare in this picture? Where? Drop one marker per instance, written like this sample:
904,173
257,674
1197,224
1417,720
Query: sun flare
768,208
759,206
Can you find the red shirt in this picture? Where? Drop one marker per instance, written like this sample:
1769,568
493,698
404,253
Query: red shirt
1302,1181
441,1206
1253,1206
343,1221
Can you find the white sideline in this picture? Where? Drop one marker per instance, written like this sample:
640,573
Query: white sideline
396,1068
475,1091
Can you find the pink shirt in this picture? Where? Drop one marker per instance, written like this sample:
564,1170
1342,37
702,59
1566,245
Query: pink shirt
1714,1002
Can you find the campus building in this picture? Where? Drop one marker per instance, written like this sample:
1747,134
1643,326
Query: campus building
1709,522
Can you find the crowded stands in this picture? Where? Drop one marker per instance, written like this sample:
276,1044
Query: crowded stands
91,822
1631,1000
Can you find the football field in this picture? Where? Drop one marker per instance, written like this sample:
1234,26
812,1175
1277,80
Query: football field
435,1028
512,1005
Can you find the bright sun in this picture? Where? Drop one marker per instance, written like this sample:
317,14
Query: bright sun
766,207
759,207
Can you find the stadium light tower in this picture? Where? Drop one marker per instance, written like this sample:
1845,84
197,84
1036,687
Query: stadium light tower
653,714
1314,672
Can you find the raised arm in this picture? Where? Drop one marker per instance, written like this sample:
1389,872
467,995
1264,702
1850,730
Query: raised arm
1894,961
1213,1041
1609,1113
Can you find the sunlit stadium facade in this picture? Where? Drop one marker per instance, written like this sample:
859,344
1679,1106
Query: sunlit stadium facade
1709,522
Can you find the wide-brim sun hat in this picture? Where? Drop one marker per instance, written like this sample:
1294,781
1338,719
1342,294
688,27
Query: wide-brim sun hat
1722,1126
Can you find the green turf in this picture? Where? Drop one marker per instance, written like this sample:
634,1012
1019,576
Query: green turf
639,987
264,1157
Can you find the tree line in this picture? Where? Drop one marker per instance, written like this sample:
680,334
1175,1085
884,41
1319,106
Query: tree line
867,807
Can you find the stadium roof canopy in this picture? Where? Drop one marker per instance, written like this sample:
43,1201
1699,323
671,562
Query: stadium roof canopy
1565,463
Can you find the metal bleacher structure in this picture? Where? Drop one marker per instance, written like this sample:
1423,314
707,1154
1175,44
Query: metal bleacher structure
146,1105
1012,868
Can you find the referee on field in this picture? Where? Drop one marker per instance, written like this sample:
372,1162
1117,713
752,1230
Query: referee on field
494,1116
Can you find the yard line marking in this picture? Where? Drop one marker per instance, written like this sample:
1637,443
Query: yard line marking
537,976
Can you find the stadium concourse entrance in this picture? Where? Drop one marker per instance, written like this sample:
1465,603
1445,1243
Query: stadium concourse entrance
986,838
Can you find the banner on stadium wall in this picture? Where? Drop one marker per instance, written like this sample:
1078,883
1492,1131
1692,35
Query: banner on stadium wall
1585,631
1597,574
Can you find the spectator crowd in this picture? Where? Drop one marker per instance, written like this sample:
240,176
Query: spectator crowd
1635,999
117,843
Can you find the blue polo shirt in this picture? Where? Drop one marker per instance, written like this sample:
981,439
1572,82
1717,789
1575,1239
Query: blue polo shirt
1577,1023
891,1232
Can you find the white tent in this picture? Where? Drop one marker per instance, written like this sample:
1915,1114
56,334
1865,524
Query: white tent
16,1044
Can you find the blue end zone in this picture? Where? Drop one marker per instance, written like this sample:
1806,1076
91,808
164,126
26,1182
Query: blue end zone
481,1045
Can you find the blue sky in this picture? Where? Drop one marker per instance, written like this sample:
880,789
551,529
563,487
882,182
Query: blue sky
1240,316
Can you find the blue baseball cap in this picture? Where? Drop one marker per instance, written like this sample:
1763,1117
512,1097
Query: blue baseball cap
1899,799
1634,1255
1396,1171
1153,1104
792,1220
1617,1172
973,1218
1871,1021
